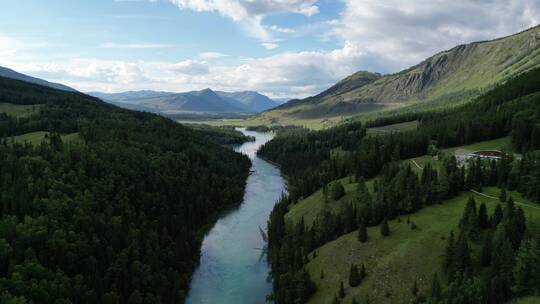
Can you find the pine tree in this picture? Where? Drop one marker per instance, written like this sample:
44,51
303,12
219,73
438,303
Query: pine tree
502,264
414,289
353,301
497,215
520,222
305,286
362,232
483,220
526,270
449,253
487,250
469,221
362,272
325,193
502,195
337,191
341,290
436,290
385,229
468,213
462,256
510,208
354,276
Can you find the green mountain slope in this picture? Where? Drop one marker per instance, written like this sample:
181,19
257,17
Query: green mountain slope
9,73
457,74
249,100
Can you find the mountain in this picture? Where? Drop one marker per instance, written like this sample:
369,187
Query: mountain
195,101
249,100
457,74
9,73
125,96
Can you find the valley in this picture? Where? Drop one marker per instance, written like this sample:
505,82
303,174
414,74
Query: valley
233,266
162,161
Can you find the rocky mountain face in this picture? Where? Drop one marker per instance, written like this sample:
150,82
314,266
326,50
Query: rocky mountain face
465,70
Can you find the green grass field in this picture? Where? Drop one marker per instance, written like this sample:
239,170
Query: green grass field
503,143
35,138
18,110
388,129
394,262
528,300
273,119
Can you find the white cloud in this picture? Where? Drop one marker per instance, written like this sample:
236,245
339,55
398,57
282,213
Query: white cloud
382,36
113,45
270,45
401,33
211,55
288,74
278,29
151,1
251,13
190,67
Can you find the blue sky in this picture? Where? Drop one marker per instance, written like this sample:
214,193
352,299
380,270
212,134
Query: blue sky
284,48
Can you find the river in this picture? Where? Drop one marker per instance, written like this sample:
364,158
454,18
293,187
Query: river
233,269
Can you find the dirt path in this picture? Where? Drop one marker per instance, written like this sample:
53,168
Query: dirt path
493,197
416,164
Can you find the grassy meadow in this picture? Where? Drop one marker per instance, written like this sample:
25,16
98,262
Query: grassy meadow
18,110
35,138
393,263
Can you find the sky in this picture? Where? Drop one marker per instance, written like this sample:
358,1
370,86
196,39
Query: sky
282,48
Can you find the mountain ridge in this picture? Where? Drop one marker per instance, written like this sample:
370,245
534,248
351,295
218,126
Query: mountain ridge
462,71
12,74
205,100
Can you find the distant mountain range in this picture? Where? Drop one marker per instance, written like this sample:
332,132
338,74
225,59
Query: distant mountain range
126,96
456,75
205,101
196,101
9,73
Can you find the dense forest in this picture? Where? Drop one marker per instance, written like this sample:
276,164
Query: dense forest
116,216
225,135
311,160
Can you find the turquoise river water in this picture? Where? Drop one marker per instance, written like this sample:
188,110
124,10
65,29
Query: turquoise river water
233,268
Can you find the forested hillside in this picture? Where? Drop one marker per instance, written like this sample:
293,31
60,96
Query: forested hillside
115,215
313,159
